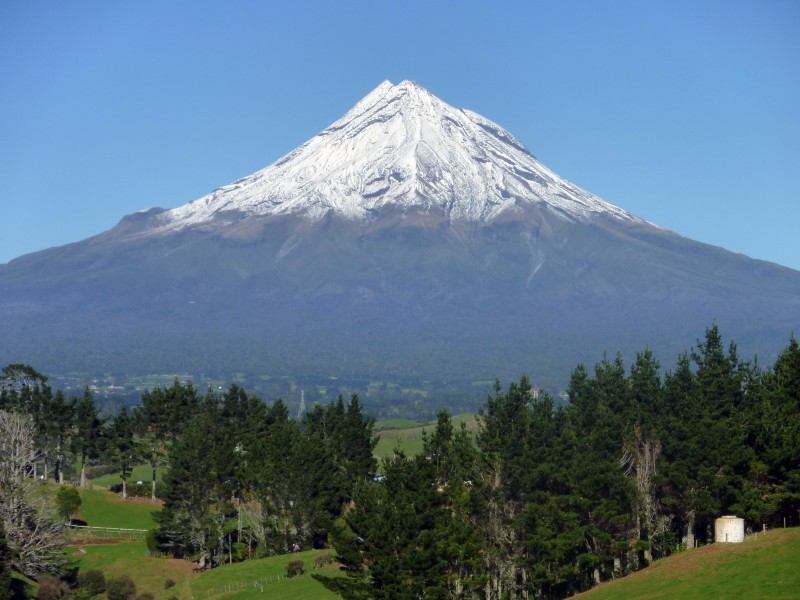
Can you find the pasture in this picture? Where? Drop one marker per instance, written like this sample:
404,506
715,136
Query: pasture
764,566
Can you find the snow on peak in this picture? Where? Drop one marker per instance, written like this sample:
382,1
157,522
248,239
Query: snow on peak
400,146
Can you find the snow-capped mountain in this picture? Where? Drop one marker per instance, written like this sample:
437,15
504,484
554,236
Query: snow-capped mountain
403,147
407,240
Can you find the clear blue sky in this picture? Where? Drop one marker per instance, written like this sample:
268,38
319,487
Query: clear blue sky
685,113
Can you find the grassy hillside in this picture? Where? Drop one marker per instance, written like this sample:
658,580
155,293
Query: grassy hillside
264,578
100,508
407,436
139,473
766,566
130,558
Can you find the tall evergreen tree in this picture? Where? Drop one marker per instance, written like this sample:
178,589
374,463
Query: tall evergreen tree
411,535
725,456
199,486
778,438
122,450
87,440
341,445
160,420
518,474
62,419
171,408
679,488
601,418
395,526
358,442
452,460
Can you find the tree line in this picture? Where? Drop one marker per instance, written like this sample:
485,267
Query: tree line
242,478
246,480
548,502
543,501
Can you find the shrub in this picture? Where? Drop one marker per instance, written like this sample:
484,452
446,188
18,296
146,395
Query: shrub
295,568
99,471
120,588
92,582
51,588
323,560
168,583
68,501
239,551
145,596
151,540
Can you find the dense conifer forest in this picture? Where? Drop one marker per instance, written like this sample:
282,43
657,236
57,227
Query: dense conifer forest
542,502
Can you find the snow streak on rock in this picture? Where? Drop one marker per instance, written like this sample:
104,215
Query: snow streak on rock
401,147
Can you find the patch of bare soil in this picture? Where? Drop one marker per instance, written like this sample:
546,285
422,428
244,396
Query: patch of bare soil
94,542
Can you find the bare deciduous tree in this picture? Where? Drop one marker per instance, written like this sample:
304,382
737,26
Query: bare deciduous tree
18,450
35,534
254,515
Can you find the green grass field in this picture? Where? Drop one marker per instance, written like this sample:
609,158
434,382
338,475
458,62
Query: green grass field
263,579
130,558
766,566
408,440
139,473
101,508
389,424
398,434
237,581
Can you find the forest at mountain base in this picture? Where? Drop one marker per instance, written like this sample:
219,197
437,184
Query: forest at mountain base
540,502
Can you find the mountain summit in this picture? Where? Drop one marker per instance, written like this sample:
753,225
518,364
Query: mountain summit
399,147
408,240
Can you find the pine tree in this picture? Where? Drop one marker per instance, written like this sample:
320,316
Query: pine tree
87,438
724,457
340,447
679,489
122,450
395,526
601,419
778,443
452,459
160,420
199,486
510,447
357,442
62,418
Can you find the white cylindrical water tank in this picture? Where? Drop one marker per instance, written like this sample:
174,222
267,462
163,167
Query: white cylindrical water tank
729,529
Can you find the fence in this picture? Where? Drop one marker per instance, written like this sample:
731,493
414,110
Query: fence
258,584
89,532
